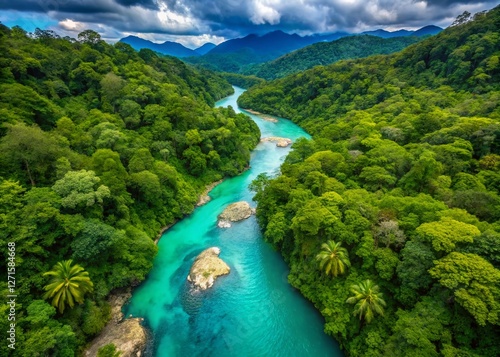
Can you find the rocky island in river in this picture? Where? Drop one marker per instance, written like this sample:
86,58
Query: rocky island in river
207,267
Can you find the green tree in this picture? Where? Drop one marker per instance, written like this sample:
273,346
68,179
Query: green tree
416,259
111,86
80,188
31,148
68,285
45,336
89,36
446,233
475,284
94,240
368,300
417,332
333,258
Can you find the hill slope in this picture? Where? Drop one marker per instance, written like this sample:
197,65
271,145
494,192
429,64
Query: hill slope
325,53
389,217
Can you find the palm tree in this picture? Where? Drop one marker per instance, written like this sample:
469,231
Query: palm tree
68,284
368,300
333,258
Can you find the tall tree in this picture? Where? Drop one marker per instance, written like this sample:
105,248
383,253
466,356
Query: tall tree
68,285
333,258
475,284
29,148
368,300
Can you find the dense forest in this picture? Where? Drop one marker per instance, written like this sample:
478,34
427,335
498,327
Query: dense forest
101,147
389,218
233,62
324,53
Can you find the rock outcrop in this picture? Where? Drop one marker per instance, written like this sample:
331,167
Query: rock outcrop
280,142
207,267
128,335
235,212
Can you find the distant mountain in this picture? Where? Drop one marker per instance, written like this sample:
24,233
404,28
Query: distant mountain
424,31
167,48
272,43
267,47
428,30
235,54
327,37
207,47
241,55
389,34
324,53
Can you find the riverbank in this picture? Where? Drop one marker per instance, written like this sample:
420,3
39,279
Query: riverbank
204,197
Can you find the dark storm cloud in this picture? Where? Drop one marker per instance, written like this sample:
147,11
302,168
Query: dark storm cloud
446,3
233,18
149,4
68,6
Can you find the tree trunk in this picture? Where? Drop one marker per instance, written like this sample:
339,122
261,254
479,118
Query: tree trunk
29,173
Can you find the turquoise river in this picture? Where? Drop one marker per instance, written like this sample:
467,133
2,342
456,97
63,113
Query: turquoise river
253,311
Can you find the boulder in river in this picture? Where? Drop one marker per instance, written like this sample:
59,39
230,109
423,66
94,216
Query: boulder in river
235,212
280,142
207,267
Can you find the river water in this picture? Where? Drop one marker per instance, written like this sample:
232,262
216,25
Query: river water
253,311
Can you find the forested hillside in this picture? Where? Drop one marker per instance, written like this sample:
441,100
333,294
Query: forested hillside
390,217
101,146
324,53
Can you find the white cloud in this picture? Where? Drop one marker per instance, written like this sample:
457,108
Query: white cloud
264,11
72,26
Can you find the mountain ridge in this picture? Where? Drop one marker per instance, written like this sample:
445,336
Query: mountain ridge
167,48
266,47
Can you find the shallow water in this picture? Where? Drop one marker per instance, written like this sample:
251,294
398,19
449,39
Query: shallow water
253,311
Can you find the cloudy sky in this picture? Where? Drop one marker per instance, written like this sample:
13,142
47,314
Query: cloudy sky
194,22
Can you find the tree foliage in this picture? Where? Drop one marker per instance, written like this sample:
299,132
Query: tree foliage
68,285
333,258
367,300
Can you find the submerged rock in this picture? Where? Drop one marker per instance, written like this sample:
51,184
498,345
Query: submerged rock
280,142
263,116
235,212
128,335
207,267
